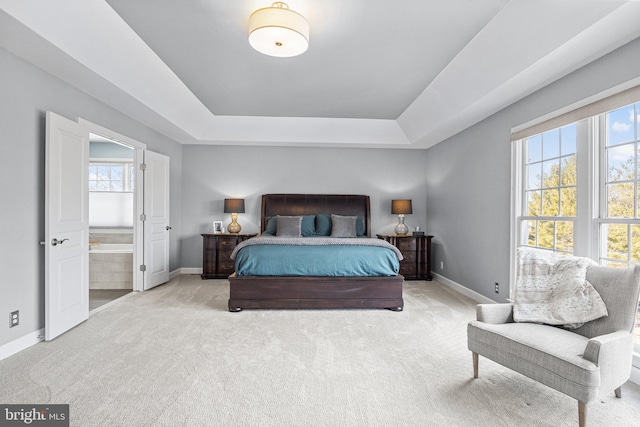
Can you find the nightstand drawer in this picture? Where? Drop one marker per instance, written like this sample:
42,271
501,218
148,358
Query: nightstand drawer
409,256
226,267
227,243
406,244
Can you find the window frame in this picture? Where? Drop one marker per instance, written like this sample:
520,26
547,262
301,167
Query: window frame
591,197
128,172
526,190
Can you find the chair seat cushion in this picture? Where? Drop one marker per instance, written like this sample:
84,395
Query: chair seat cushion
550,355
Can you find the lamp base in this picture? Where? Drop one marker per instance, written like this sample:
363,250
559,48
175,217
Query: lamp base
234,227
401,229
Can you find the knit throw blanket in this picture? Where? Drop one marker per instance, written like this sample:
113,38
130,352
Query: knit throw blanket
316,241
553,289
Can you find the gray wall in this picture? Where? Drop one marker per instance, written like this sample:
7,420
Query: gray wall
26,94
109,150
213,173
469,175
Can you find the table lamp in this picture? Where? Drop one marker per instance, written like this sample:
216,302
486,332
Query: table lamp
234,206
401,208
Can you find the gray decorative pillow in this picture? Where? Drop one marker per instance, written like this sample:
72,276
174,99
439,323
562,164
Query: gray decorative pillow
343,226
289,226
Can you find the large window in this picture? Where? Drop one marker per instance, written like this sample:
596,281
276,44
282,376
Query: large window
579,189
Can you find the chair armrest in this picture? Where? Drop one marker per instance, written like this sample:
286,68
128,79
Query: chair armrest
613,354
617,345
495,313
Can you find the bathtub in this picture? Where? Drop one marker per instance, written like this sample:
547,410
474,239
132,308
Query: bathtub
111,266
112,248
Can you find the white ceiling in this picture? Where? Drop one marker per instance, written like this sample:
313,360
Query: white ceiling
403,74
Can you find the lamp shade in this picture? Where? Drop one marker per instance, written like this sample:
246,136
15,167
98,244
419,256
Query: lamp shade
233,205
401,207
278,31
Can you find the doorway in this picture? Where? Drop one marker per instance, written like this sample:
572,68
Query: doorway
67,239
126,147
111,186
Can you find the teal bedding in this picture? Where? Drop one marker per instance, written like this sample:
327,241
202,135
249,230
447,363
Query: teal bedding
332,260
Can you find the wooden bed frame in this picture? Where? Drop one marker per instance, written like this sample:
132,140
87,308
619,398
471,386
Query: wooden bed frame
310,291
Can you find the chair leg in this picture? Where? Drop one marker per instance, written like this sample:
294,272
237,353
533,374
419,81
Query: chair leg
582,414
475,364
618,392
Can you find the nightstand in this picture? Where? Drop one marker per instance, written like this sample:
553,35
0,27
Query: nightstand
216,253
416,251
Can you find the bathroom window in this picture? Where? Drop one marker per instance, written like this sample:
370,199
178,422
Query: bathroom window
111,177
111,184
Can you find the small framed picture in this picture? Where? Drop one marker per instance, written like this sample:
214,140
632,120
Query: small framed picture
217,227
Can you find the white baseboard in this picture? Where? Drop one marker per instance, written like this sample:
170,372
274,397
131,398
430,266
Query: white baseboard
16,346
190,270
463,290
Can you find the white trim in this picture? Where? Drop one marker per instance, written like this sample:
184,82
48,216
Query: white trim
516,210
177,272
138,224
22,343
186,270
463,290
111,135
576,105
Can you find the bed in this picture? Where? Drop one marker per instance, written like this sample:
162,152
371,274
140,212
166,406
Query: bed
304,291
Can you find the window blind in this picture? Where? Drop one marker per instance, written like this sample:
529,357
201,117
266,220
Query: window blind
589,107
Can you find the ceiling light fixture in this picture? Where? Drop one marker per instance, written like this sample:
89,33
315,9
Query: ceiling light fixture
278,31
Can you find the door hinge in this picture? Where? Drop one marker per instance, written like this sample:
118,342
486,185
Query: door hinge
143,267
143,166
143,217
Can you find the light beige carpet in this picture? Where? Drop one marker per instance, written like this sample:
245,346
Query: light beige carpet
174,356
100,297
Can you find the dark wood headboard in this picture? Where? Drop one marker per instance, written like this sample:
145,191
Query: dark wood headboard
312,204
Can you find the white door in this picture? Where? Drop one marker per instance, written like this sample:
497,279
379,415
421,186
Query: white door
156,224
66,225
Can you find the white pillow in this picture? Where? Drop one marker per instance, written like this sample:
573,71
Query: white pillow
553,289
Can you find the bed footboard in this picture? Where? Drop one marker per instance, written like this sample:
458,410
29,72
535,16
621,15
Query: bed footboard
315,292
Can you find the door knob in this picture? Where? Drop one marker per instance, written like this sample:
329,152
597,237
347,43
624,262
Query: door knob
56,242
167,228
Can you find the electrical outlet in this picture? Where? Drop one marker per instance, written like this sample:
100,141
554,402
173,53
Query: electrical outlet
497,288
14,318
441,265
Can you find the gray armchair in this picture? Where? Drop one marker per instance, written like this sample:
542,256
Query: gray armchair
583,363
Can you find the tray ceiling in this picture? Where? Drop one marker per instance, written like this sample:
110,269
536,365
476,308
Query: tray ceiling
377,73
